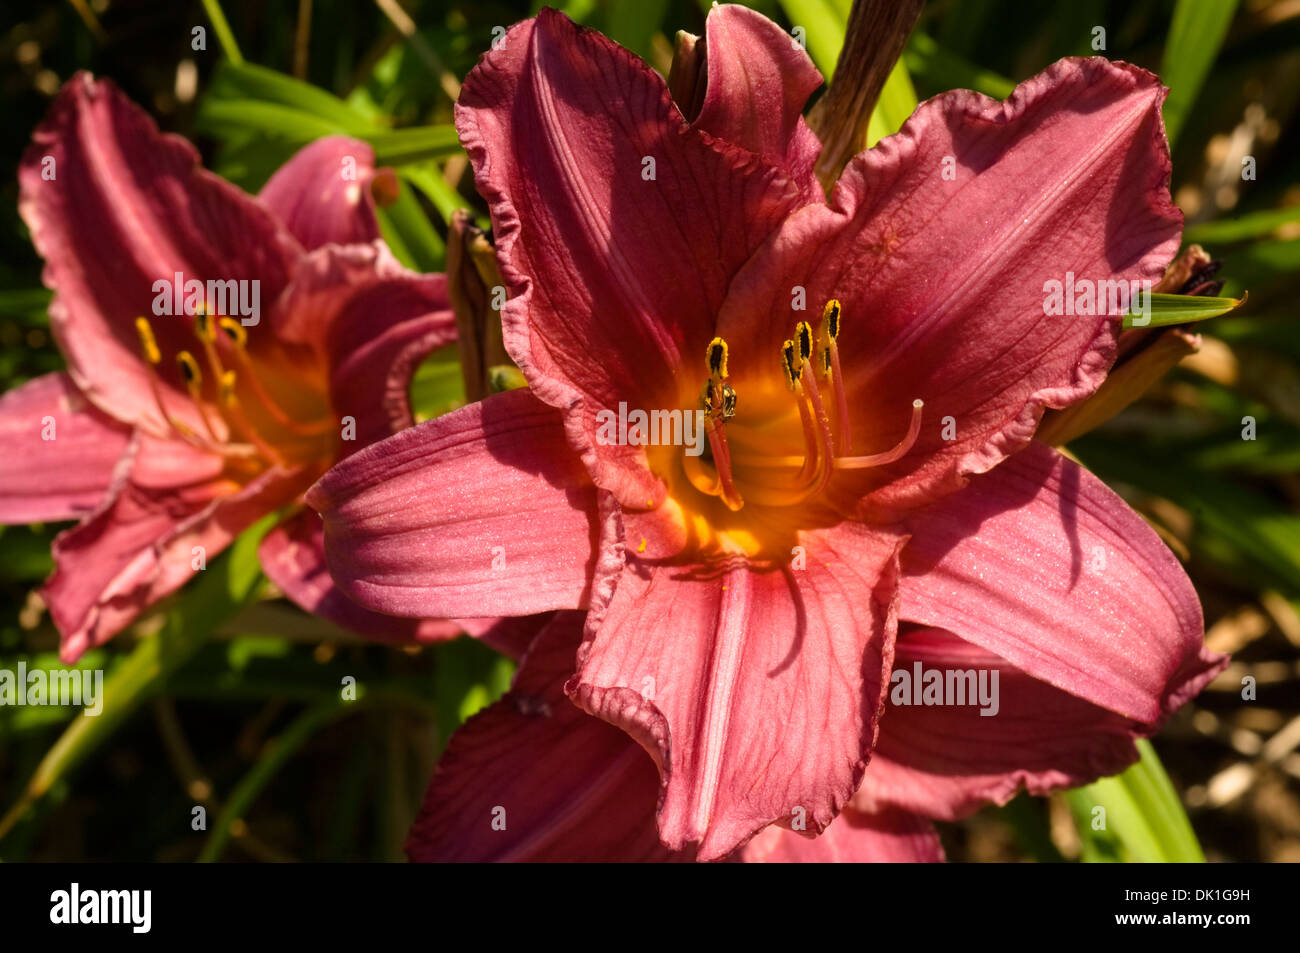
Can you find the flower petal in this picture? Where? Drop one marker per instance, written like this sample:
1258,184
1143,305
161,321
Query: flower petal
114,206
618,226
854,837
756,689
377,340
322,194
1041,563
140,545
947,761
61,453
482,512
939,243
293,556
759,81
533,778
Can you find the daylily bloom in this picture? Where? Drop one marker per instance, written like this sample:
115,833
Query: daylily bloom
870,368
174,428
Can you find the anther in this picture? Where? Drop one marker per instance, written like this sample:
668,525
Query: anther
717,359
718,399
203,326
804,338
728,401
234,330
831,318
227,387
793,369
189,370
829,334
148,344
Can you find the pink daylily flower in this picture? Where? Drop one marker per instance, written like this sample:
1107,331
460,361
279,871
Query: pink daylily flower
174,431
867,469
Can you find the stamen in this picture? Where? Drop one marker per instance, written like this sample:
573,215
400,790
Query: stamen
194,384
889,456
207,335
226,386
722,461
718,398
203,326
793,369
794,382
803,336
717,359
230,400
703,477
188,367
239,340
831,318
728,401
190,371
235,331
830,332
148,343
822,433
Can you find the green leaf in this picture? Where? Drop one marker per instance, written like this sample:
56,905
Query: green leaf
437,386
274,756
227,585
940,69
1246,523
897,102
413,144
1179,309
429,180
222,29
410,235
27,554
247,82
1195,36
634,25
28,305
469,676
1243,228
824,26
1144,822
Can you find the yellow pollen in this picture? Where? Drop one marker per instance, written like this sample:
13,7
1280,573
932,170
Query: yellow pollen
203,326
189,370
793,369
803,334
227,387
728,401
234,330
831,318
148,344
717,358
